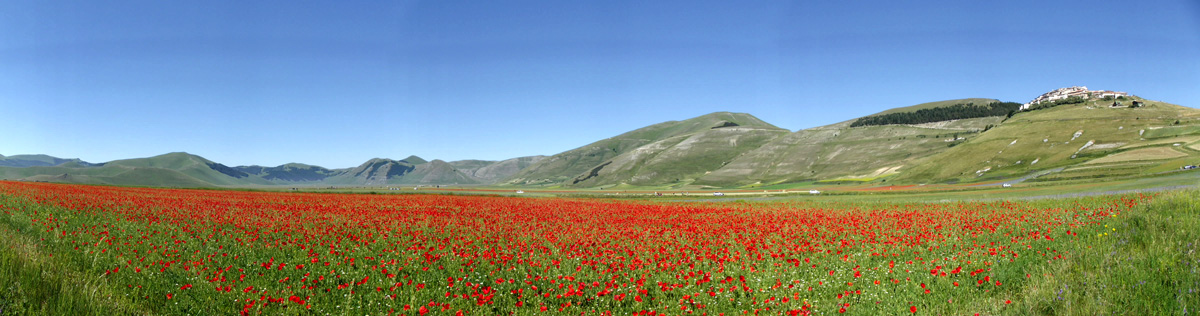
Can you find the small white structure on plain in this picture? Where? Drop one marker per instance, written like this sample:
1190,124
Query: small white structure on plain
520,192
814,192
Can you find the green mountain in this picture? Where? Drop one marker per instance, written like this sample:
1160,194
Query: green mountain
37,160
580,162
169,170
485,171
677,159
292,172
1070,142
965,140
414,160
839,151
191,165
187,170
436,172
376,171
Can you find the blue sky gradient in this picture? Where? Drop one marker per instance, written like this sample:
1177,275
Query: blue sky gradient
337,83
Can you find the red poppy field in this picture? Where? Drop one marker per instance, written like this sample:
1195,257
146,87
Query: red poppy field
208,252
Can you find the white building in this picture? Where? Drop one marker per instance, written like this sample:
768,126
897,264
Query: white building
1076,91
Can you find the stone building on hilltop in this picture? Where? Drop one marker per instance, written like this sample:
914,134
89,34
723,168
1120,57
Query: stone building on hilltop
1077,91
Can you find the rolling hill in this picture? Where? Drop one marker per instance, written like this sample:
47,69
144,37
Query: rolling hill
1078,141
291,172
181,169
968,140
952,141
677,159
37,161
578,164
168,170
493,171
839,151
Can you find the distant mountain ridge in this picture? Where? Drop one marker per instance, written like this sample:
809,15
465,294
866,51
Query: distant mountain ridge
180,169
963,140
37,160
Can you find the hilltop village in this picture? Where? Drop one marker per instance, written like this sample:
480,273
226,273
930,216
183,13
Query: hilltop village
1077,91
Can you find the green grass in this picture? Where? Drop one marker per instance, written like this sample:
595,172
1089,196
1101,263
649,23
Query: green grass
31,284
1146,265
1046,135
1092,172
1172,131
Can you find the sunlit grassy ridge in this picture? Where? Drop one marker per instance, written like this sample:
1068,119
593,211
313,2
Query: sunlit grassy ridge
1059,137
576,163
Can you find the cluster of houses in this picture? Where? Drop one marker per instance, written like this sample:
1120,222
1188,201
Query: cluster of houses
1077,91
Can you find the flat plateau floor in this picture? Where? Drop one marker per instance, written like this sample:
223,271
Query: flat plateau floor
851,192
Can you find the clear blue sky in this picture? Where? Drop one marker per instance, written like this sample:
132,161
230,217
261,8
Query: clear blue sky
336,83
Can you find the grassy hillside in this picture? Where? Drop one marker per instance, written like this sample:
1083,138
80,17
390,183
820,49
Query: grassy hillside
109,175
414,160
841,152
434,172
486,171
169,170
677,160
1070,142
292,172
380,171
373,172
36,161
565,166
186,170
1087,140
191,165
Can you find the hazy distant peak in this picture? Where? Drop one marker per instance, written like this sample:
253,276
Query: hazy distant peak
414,160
